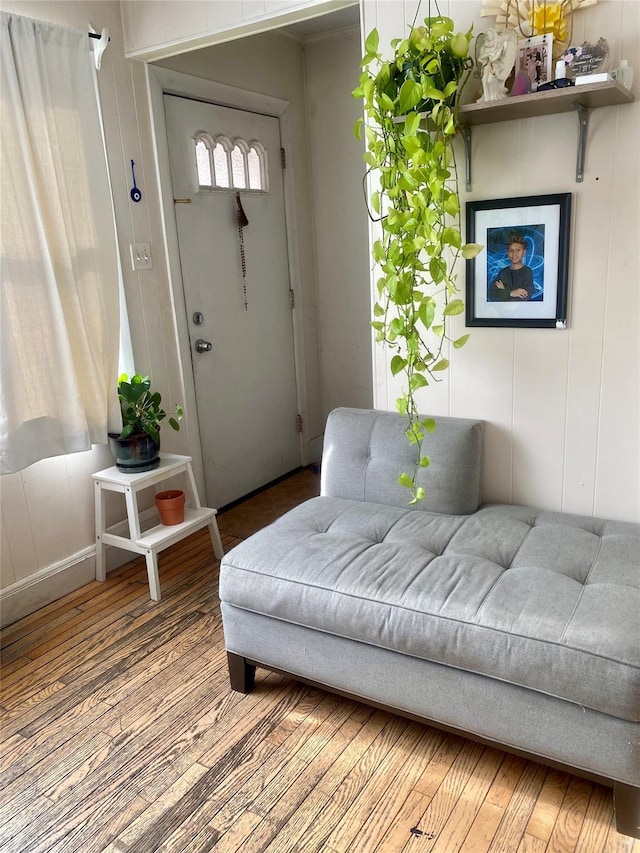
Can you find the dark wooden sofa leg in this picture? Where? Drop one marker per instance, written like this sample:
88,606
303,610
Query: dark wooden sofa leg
242,675
626,801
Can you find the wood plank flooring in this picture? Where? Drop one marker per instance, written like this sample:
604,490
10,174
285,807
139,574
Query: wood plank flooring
120,733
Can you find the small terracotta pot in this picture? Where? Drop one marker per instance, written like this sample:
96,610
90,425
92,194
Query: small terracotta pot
170,505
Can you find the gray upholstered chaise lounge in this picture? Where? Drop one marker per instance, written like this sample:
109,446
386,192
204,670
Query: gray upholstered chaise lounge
512,625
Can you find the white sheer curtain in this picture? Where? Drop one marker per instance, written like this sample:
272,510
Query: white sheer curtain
59,314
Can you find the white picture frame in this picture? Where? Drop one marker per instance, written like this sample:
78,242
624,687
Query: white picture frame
535,59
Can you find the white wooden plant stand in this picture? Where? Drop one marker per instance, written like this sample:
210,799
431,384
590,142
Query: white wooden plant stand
150,542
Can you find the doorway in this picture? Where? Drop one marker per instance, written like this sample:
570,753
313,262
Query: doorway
327,241
226,174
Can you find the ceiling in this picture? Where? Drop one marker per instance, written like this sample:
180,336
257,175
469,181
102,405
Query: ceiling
322,24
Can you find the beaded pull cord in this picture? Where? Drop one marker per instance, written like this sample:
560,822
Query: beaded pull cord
242,221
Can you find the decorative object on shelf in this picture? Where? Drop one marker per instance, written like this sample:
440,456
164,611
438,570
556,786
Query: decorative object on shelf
586,59
623,74
535,60
521,84
536,17
136,448
521,278
411,104
170,506
496,55
558,83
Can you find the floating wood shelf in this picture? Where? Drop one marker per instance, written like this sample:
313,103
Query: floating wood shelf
590,96
579,98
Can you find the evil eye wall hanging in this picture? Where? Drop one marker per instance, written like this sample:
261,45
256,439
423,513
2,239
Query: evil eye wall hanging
136,195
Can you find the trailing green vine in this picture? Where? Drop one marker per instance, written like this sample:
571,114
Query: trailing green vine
411,106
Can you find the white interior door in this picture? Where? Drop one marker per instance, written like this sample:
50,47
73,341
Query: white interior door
245,384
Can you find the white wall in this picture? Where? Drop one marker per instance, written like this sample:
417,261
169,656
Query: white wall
339,220
562,407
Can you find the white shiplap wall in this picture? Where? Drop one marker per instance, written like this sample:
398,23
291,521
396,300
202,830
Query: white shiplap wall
562,407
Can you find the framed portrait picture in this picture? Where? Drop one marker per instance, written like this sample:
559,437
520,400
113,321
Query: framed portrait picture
520,277
535,59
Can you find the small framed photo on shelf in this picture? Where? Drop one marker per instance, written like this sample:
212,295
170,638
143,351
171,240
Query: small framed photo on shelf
521,276
535,59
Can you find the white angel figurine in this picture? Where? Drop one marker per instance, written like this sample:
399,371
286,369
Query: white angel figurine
496,54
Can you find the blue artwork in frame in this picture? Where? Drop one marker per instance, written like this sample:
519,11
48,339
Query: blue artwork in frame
498,242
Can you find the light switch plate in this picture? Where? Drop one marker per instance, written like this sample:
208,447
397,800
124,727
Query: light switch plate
141,256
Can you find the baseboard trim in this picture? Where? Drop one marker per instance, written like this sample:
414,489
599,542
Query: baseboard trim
59,579
46,585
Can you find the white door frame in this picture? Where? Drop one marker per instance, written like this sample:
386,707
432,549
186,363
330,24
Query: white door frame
161,81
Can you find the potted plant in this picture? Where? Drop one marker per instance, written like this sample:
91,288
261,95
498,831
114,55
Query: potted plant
411,106
136,448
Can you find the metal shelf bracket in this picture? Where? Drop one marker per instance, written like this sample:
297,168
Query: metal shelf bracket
583,124
466,135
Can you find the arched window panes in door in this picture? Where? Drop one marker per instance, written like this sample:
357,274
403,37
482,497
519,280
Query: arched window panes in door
225,164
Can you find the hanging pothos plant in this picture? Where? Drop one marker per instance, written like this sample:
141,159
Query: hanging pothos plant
411,107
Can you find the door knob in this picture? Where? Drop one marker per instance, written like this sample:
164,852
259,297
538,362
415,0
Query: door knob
203,346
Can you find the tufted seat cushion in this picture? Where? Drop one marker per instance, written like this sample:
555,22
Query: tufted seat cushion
547,601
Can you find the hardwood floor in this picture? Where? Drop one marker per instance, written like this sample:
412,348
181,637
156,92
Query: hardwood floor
119,733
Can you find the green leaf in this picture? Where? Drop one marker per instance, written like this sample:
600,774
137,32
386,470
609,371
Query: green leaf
459,45
385,102
357,128
411,143
438,330
402,405
438,269
417,381
372,41
471,250
375,201
429,92
398,363
440,365
460,342
427,312
378,310
450,88
412,124
429,424
424,462
456,306
395,328
410,95
405,480
452,205
451,236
